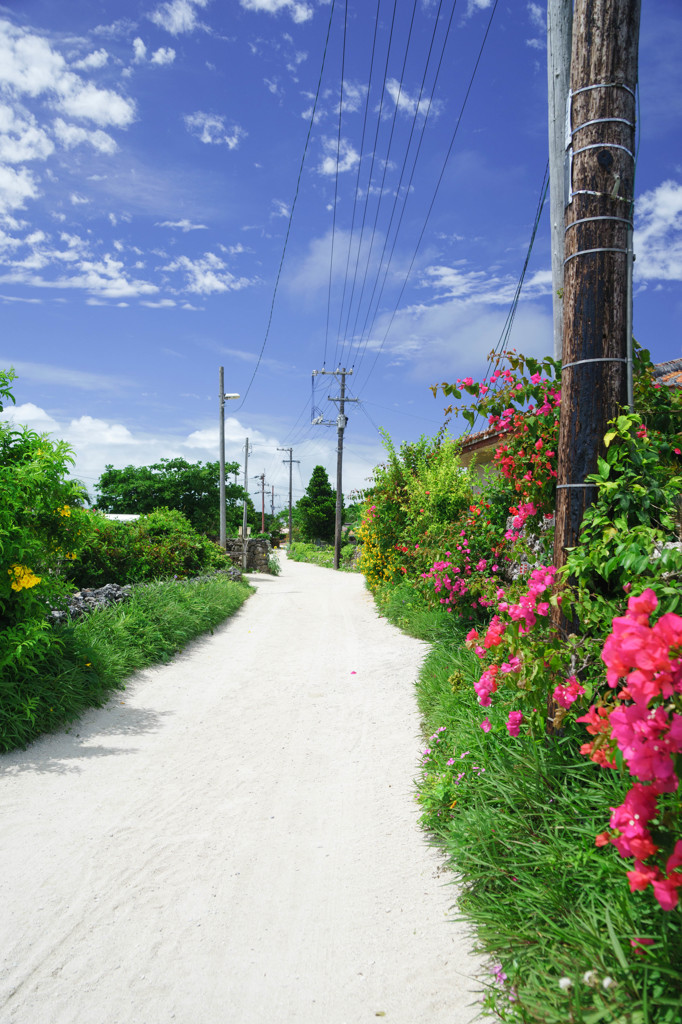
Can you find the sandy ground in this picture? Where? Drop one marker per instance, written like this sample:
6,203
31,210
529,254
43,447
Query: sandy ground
234,839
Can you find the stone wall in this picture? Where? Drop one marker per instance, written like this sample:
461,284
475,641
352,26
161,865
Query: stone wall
257,554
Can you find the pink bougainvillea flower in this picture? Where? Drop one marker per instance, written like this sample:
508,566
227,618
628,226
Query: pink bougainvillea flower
514,722
485,725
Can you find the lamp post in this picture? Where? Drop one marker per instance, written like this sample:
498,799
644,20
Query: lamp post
223,396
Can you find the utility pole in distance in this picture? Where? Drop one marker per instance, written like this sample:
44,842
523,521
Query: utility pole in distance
291,460
261,477
597,257
341,422
221,457
245,528
559,29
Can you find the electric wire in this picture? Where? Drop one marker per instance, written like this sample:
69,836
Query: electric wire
357,178
396,195
336,183
386,163
437,188
371,167
291,212
368,330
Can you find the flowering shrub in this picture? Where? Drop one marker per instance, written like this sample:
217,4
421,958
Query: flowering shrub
40,524
643,727
411,509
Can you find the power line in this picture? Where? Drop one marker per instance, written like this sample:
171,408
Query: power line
409,184
436,190
357,178
291,212
336,181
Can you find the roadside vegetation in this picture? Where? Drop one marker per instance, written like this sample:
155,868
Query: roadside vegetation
49,544
323,555
550,769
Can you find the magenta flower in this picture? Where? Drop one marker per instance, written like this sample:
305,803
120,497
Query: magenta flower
514,722
485,725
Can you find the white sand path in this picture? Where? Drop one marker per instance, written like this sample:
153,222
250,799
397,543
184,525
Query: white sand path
234,838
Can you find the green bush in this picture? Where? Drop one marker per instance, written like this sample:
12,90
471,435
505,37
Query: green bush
40,530
323,555
161,545
413,509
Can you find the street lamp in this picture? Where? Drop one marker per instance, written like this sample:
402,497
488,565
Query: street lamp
223,396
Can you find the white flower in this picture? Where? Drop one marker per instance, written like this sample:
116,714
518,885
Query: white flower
565,984
608,982
589,977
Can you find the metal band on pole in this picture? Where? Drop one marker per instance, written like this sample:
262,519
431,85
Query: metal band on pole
603,120
588,220
586,252
600,359
604,145
603,85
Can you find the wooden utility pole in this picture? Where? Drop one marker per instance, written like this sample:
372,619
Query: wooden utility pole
221,457
262,490
341,421
245,527
291,460
597,250
559,34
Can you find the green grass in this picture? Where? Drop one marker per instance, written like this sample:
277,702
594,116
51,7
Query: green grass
94,655
321,555
517,822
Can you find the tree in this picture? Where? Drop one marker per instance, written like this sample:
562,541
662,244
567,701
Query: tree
316,510
192,488
41,522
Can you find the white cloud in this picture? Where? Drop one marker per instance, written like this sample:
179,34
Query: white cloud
477,5
139,50
181,225
71,135
178,16
536,15
210,129
658,234
20,137
164,55
16,186
93,61
280,208
29,66
65,376
299,12
407,104
207,275
105,278
77,200
348,157
353,96
103,106
453,337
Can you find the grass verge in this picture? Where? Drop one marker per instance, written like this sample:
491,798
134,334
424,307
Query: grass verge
517,821
94,655
323,556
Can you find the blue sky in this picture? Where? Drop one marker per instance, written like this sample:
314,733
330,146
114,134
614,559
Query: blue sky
151,172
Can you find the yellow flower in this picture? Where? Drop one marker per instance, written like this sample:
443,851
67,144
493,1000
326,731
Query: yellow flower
24,578
65,511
